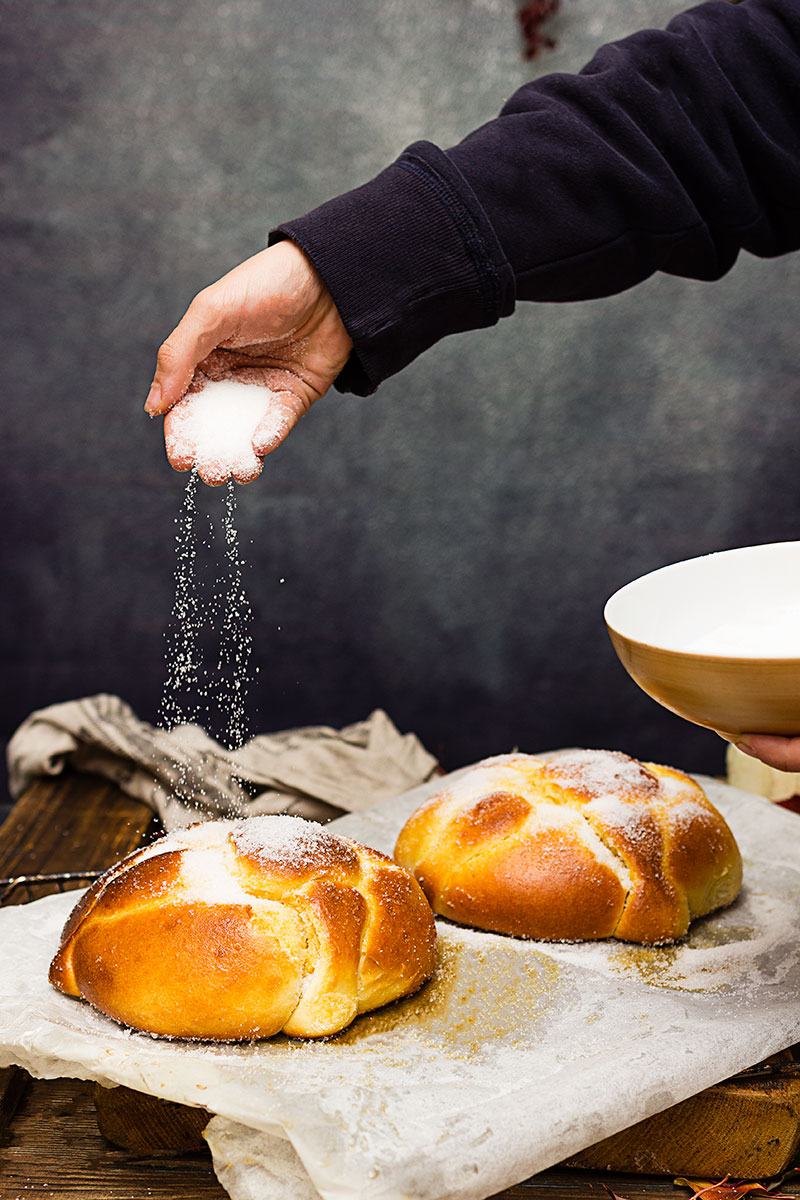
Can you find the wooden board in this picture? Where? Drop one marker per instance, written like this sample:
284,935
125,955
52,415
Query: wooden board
748,1128
141,1123
54,1149
66,823
69,823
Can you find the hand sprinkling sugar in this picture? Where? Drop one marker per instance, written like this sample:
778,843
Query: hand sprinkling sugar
224,430
250,356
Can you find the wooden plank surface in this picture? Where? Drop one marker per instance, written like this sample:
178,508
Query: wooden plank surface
69,823
66,823
57,1151
50,1144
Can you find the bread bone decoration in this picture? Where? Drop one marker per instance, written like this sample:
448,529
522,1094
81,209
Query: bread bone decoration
587,844
240,929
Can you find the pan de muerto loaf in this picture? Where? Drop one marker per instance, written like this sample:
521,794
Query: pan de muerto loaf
587,844
245,928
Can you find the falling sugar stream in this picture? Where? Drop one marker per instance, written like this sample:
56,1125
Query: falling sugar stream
236,645
185,623
209,643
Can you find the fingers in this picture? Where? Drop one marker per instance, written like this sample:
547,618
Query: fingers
179,442
215,471
247,468
282,416
186,449
278,421
213,318
779,752
200,330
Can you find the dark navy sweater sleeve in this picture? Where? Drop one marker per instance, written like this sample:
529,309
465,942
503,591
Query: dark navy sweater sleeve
672,150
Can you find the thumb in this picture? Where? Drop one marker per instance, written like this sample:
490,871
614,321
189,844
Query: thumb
200,330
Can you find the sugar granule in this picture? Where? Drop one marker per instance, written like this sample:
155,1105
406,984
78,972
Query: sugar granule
216,426
209,643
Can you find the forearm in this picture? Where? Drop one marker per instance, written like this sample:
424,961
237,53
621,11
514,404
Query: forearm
671,151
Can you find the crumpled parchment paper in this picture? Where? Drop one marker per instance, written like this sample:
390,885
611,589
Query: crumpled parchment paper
516,1055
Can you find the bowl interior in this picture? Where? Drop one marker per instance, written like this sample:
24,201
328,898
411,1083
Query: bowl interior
742,603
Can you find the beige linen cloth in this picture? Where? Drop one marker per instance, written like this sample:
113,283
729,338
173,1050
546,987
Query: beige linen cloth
185,775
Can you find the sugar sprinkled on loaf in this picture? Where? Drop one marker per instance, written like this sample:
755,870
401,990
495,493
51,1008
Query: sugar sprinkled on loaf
238,929
586,844
283,839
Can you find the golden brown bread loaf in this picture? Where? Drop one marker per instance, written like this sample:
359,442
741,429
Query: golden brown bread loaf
588,844
244,928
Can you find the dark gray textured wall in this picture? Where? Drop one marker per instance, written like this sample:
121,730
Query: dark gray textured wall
447,545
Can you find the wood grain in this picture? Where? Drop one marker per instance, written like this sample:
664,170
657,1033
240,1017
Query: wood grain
748,1128
141,1123
69,823
13,1086
56,1150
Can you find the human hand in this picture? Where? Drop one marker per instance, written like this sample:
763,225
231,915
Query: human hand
270,321
783,753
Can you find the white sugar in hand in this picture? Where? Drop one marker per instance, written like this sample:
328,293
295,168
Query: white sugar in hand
213,430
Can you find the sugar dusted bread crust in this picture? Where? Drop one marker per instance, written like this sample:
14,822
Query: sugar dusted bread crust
587,844
242,929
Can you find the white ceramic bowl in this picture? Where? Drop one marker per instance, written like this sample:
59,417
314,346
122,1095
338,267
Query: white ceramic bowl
717,639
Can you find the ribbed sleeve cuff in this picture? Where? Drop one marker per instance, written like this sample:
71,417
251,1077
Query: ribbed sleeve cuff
408,258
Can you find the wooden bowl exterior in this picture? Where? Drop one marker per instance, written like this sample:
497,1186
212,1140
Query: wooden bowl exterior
733,696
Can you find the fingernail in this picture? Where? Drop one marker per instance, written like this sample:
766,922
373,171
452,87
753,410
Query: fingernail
153,399
745,748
